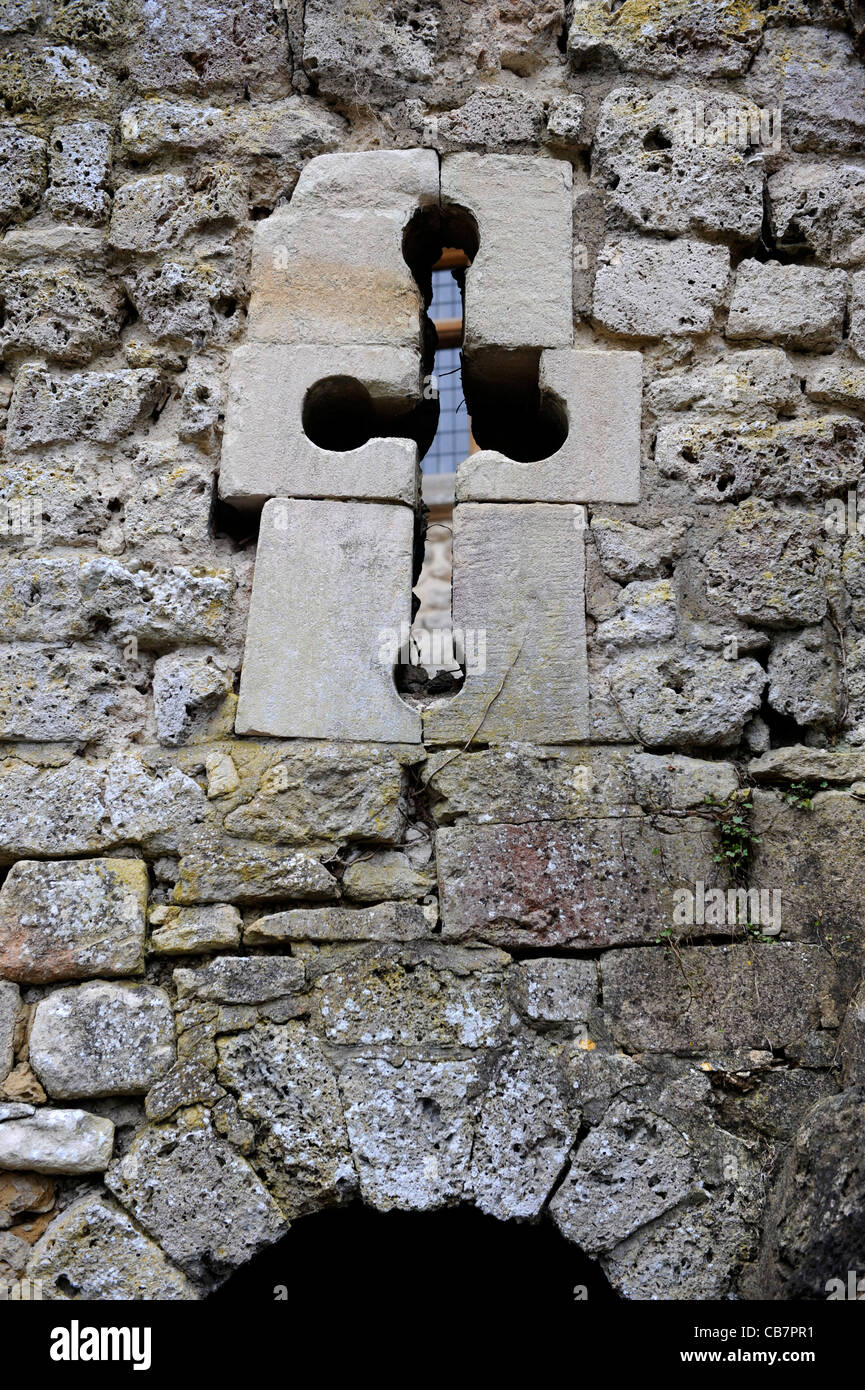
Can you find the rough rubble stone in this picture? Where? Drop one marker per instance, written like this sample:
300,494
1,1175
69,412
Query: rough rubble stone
285,1085
663,174
211,47
646,612
820,209
724,461
657,289
798,306
857,313
22,162
804,680
715,999
202,1202
57,312
838,380
769,566
568,884
10,1006
80,171
495,120
704,37
388,874
188,693
749,382
57,1141
67,921
377,51
55,694
334,638
669,781
188,302
818,79
102,1040
630,552
179,931
103,406
678,696
93,1252
241,979
157,212
797,763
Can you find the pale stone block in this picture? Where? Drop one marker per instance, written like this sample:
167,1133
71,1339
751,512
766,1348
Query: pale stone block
332,584
266,451
519,291
518,580
329,266
57,1141
600,459
102,1039
800,306
655,289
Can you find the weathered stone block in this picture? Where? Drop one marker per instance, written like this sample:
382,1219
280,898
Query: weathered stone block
93,1252
155,213
189,694
816,76
665,170
857,313
646,612
520,783
814,859
601,393
68,921
723,461
636,552
519,289
797,763
60,313
518,580
769,566
838,380
798,305
329,267
338,638
658,289
493,120
57,1141
682,697
590,883
80,171
189,302
285,1085
199,1199
241,979
389,51
819,207
267,451
749,382
22,161
804,679
388,874
238,873
705,37
180,931
670,782
102,406
10,1007
102,1040
555,991
58,694
393,921
216,48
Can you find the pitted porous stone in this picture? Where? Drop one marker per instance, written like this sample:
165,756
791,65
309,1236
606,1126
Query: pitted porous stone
241,980
93,1252
411,1128
324,633
328,267
804,679
673,695
798,305
838,380
62,694
857,313
769,566
22,162
102,406
740,383
189,696
267,451
57,312
816,76
202,1202
233,872
601,393
552,991
657,289
68,921
178,931
518,583
392,921
670,165
80,171
821,208
646,612
286,1087
588,884
157,212
519,289
706,37
10,1008
724,461
102,1040
57,1141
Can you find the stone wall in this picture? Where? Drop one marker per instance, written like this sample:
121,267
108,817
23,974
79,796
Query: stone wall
256,964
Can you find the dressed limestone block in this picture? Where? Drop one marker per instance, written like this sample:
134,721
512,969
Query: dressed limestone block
330,598
518,598
519,290
328,267
600,459
56,1141
266,451
68,921
102,1039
